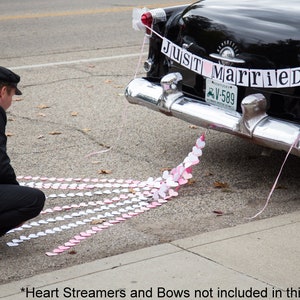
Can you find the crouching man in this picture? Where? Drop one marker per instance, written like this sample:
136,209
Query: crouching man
17,203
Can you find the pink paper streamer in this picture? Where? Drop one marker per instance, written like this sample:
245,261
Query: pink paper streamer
161,190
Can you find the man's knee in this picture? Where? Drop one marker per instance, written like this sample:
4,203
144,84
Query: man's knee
39,199
35,202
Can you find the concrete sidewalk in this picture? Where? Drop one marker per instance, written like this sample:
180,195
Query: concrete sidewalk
257,260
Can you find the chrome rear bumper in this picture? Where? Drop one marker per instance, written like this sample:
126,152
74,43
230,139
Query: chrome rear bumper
253,123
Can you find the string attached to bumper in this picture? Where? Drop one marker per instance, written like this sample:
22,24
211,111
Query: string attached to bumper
277,178
124,111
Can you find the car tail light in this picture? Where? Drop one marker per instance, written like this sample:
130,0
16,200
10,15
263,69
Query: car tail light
151,17
147,20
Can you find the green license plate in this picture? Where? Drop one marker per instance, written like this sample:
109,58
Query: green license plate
221,94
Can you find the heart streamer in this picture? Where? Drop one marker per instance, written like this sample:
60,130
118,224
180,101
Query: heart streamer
123,199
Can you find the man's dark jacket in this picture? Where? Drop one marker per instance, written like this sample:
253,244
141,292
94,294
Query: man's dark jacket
7,173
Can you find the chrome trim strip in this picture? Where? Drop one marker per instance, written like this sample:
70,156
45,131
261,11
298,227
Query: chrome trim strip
233,60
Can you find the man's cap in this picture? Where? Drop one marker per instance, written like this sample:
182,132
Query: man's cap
9,78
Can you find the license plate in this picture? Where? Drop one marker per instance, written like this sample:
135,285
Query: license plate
220,94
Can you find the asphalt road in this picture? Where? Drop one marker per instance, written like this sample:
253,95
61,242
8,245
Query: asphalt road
75,59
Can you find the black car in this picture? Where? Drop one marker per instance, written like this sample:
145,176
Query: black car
233,66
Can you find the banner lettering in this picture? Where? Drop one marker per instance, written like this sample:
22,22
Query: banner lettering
258,78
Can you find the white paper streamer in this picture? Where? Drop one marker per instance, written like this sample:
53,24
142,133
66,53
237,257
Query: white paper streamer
127,198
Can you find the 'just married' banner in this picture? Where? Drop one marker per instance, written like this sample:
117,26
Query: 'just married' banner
280,78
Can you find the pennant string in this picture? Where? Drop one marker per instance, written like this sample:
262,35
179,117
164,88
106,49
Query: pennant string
124,111
277,178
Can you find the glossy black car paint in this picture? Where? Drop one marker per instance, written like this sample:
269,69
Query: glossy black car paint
265,34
